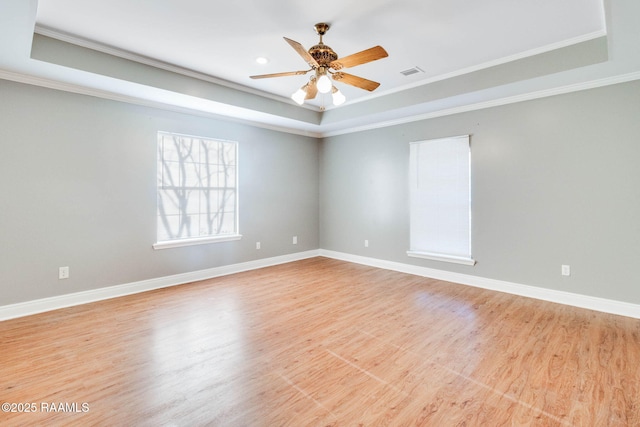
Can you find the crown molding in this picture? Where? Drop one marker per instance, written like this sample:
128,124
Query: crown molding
120,53
591,84
292,126
500,61
320,132
83,90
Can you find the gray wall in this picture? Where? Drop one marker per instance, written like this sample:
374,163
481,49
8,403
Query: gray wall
77,179
554,181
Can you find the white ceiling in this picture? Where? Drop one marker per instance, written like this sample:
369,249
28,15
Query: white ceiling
223,39
197,55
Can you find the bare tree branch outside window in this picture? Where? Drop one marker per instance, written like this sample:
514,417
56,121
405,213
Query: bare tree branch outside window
197,194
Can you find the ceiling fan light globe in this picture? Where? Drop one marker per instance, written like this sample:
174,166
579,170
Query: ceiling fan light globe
324,84
338,97
299,96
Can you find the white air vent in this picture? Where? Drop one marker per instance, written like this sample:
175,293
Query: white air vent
410,71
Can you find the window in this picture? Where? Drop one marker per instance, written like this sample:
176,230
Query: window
197,190
440,205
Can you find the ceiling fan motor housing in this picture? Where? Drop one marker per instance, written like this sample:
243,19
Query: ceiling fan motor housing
323,54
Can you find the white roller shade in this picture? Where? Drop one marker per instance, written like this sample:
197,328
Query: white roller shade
440,212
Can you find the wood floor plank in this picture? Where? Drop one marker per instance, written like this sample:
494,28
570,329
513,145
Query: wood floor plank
321,342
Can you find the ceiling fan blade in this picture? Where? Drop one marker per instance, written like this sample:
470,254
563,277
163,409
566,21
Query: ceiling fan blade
359,58
288,73
303,52
312,90
356,81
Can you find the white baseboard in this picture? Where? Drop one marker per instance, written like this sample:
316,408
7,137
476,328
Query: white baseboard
53,303
583,301
566,298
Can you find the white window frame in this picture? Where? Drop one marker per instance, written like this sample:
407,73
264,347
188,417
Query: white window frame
440,200
187,181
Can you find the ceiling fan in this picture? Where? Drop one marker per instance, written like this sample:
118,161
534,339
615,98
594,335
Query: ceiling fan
325,62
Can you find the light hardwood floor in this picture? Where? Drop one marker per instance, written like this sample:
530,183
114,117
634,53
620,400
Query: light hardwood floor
321,342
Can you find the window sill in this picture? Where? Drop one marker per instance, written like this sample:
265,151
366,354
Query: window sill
196,241
444,258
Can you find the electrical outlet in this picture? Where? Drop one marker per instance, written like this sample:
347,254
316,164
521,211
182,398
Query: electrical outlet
257,245
63,273
566,270
366,243
295,240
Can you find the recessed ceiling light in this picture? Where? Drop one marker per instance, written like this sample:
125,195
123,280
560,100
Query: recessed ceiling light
262,60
